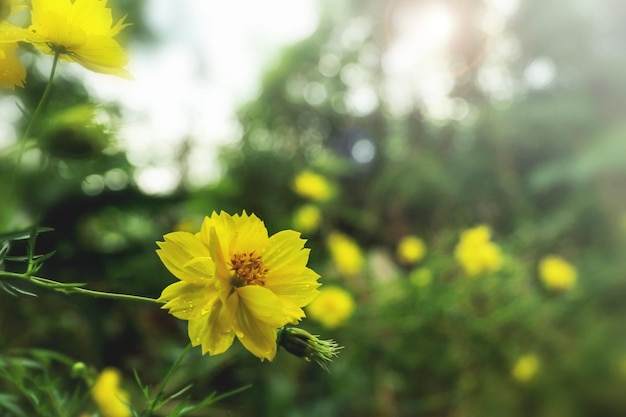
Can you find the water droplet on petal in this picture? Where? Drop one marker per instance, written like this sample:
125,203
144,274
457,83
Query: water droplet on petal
240,334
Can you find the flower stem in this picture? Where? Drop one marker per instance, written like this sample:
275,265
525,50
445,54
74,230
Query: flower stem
75,288
40,105
157,401
31,124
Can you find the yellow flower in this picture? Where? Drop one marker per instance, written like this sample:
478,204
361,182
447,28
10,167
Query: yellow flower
80,31
476,253
307,218
421,277
12,71
332,307
557,274
411,249
314,186
525,368
345,253
111,400
237,281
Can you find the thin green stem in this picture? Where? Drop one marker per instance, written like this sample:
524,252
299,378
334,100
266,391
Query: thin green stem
31,124
40,105
157,400
76,288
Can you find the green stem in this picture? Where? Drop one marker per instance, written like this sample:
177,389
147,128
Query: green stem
157,400
75,288
40,105
31,124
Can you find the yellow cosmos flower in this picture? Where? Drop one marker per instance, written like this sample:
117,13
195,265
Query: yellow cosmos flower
557,274
237,281
307,218
411,249
332,307
525,368
476,253
111,400
346,254
80,31
314,186
12,71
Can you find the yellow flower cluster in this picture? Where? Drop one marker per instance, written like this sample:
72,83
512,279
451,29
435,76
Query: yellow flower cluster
109,397
411,249
476,253
80,31
236,281
345,253
313,186
557,274
526,367
332,307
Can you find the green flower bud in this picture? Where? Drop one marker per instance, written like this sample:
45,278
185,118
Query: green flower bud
304,345
79,370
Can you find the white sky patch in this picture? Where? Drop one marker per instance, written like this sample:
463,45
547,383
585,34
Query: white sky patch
209,60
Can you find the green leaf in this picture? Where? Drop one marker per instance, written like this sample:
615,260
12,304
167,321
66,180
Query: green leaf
25,234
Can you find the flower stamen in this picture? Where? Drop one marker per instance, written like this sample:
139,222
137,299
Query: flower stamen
249,269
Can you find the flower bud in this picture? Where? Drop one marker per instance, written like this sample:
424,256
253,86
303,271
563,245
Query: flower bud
79,370
304,345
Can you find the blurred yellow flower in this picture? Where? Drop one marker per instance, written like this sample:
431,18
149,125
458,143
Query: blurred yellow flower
110,399
313,186
346,254
237,281
411,249
557,274
332,307
80,31
525,368
421,277
476,253
12,71
307,218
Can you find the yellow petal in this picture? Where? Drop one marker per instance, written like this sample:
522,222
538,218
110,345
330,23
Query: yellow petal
300,289
256,336
12,71
184,299
177,253
267,307
212,328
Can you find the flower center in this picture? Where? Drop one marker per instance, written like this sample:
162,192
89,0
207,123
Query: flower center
249,269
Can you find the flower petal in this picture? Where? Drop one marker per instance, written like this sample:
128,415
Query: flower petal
177,253
182,298
256,336
300,288
269,308
212,328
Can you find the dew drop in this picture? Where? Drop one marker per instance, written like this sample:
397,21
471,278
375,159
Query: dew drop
240,334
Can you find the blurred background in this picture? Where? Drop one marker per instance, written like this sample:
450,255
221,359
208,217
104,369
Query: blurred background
457,167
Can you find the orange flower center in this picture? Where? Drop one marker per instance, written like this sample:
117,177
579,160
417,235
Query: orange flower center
249,269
